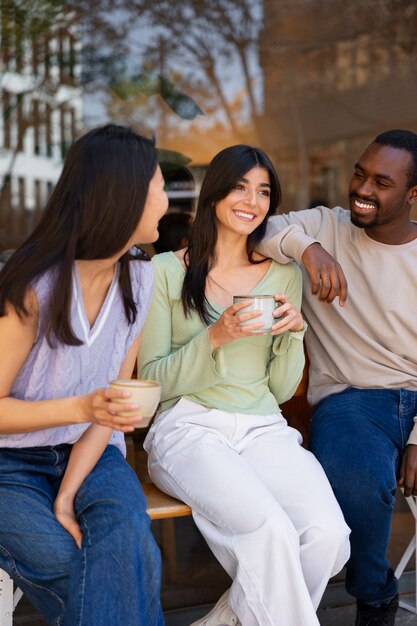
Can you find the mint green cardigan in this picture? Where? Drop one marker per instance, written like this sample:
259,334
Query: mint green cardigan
252,375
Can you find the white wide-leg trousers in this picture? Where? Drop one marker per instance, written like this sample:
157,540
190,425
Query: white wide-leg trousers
262,502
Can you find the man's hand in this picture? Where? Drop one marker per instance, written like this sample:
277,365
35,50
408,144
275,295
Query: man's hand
408,471
326,275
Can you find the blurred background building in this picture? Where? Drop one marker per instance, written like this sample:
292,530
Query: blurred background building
310,81
338,74
40,108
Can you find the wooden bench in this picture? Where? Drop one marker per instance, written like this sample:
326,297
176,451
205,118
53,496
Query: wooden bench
297,411
162,506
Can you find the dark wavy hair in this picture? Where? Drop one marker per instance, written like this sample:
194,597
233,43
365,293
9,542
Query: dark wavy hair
225,170
91,214
402,140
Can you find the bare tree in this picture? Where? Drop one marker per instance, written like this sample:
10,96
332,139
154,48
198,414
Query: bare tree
213,44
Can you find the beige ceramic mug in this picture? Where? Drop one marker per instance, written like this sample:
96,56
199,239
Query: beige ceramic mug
265,304
145,393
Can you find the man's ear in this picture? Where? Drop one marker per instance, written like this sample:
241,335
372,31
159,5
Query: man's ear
412,195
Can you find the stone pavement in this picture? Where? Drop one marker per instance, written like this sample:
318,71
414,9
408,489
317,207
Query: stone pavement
328,616
345,616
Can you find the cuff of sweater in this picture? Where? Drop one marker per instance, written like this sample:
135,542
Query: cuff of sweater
216,357
294,244
282,342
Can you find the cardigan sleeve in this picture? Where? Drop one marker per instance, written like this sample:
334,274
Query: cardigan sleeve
184,371
286,365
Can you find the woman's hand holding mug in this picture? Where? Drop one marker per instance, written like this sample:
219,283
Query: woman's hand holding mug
289,318
228,326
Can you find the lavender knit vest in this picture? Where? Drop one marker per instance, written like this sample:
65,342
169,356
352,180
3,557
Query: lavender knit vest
75,370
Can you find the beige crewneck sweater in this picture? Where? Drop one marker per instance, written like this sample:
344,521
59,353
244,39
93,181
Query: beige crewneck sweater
372,341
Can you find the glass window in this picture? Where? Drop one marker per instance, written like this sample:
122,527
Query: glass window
311,82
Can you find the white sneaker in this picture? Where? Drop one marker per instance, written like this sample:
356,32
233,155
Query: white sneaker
220,615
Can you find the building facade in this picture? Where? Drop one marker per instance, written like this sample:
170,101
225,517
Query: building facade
40,110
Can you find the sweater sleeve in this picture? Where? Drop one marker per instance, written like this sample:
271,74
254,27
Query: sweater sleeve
142,280
287,352
287,236
190,368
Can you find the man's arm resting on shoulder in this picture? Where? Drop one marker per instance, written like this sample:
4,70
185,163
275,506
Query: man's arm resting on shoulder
326,275
408,472
285,242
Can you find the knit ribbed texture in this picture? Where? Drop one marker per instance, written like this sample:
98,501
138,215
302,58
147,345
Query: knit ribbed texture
176,349
67,371
371,342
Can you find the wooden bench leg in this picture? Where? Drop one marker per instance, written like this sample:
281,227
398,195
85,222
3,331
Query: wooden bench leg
164,508
169,547
130,451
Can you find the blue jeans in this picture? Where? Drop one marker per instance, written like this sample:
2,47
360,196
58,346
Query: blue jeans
359,436
115,577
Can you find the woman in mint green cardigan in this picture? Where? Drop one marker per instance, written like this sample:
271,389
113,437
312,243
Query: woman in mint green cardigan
221,444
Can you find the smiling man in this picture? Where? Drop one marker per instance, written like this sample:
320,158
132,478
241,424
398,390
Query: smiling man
363,352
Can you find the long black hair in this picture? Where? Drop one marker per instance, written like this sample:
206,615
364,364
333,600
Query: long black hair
225,170
91,214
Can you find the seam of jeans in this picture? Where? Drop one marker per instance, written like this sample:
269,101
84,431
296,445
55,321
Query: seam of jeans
405,407
19,577
82,576
401,415
56,461
61,461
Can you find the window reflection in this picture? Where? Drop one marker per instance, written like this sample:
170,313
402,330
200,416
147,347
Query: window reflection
311,82
41,107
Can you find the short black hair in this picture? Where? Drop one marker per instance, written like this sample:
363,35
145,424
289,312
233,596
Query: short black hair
402,140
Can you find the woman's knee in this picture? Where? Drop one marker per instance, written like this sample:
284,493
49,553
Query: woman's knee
126,512
41,549
332,538
277,530
112,494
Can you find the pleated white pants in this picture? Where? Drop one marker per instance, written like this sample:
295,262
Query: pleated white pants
262,502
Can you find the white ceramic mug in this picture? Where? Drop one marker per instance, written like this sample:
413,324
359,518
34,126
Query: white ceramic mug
265,304
145,393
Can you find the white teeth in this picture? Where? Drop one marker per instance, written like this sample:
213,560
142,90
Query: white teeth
364,205
247,216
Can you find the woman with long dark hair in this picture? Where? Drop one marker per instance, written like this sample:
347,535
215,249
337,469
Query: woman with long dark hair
73,299
262,502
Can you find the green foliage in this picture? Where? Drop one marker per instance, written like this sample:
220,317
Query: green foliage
150,83
169,160
32,18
